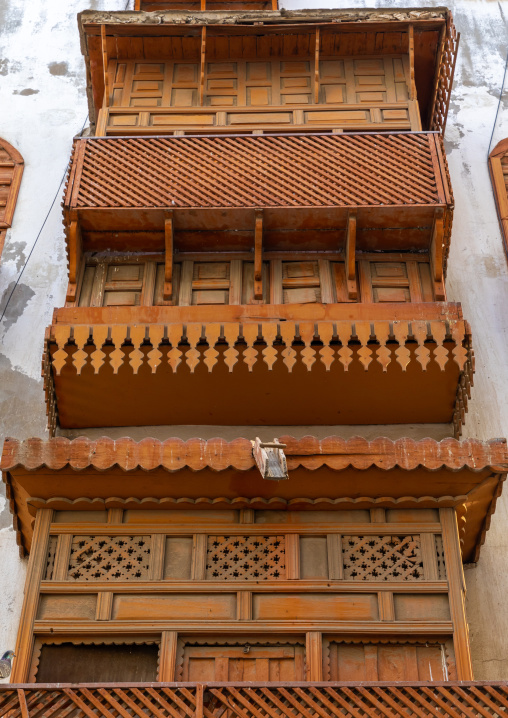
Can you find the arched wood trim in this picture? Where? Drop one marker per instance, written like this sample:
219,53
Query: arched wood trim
498,166
11,171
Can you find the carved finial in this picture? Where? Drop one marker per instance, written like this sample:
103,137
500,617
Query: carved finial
270,459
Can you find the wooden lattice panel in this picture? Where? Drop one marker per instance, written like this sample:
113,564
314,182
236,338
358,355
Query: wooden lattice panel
382,558
445,81
109,558
256,171
246,557
361,700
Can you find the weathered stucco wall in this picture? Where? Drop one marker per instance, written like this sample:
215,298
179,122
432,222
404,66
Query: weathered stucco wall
43,101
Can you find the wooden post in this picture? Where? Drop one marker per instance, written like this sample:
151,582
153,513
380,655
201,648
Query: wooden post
168,264
436,254
105,65
167,656
352,289
75,255
316,66
412,84
202,64
314,651
456,593
258,255
35,573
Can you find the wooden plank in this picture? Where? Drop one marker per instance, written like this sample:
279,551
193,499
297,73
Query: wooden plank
105,66
235,281
199,557
167,656
317,41
456,584
157,548
436,254
185,297
428,548
314,655
35,573
97,294
62,558
334,553
104,606
148,293
325,280
292,557
258,255
352,288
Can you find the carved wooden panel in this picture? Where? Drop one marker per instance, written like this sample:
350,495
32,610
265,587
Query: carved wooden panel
108,558
246,558
254,659
382,558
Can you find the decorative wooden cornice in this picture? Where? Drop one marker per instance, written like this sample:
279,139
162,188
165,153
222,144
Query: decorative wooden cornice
11,172
498,167
83,475
218,454
185,344
79,351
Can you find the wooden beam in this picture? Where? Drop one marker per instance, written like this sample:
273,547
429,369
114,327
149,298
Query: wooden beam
258,255
168,262
436,254
316,65
270,459
105,66
457,590
202,62
352,288
411,43
35,573
75,256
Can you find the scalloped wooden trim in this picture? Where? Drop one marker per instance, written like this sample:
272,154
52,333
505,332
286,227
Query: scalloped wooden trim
218,454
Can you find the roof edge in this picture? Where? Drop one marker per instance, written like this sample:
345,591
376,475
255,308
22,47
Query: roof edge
218,454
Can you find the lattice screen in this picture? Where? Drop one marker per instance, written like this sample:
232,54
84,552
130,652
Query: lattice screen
382,558
246,557
109,558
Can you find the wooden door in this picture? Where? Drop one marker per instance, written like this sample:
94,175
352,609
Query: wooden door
243,662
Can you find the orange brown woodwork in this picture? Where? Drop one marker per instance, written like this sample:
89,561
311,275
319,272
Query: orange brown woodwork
498,167
257,231
11,172
283,571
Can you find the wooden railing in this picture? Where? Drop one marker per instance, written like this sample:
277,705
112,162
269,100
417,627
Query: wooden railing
255,700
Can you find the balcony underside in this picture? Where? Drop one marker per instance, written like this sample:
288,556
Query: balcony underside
120,189
331,474
287,372
252,700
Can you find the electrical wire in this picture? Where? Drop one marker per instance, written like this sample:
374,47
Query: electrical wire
500,93
16,283
57,194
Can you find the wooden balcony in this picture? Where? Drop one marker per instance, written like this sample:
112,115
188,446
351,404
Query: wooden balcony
252,700
257,68
258,364
260,194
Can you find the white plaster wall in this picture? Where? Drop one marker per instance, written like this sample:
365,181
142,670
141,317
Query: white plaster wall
42,104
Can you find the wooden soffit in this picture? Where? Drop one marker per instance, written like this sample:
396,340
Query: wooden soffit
327,474
498,167
435,40
11,171
350,371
